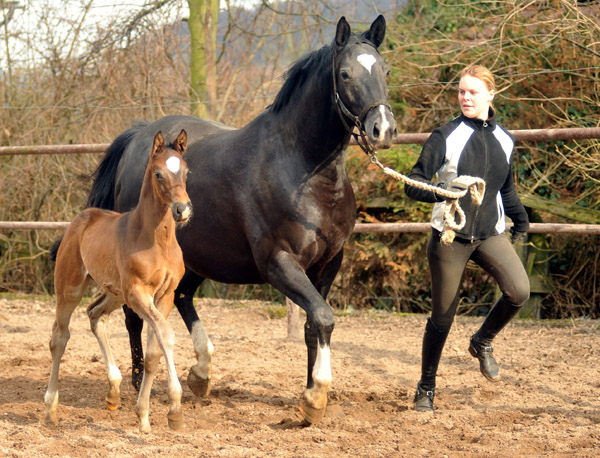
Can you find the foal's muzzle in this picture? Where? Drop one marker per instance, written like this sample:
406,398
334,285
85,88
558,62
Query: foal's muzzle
182,211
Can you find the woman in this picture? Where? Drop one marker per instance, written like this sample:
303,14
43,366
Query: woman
473,144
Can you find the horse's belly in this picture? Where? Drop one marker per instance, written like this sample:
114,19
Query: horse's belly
220,260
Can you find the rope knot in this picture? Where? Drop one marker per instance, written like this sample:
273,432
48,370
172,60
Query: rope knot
458,188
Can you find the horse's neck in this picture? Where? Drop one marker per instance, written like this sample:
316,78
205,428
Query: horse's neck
153,217
314,122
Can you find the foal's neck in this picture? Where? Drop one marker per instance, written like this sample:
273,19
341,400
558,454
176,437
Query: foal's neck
153,214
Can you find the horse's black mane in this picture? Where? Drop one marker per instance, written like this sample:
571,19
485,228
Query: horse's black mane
296,76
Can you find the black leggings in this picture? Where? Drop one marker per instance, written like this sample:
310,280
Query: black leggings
447,263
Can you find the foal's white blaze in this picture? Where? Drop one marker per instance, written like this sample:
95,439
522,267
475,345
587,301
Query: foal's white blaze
322,368
385,124
367,61
173,164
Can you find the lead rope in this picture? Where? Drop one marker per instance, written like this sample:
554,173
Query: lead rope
452,209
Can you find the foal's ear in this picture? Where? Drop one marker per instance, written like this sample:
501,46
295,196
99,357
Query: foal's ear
376,33
181,142
159,143
342,32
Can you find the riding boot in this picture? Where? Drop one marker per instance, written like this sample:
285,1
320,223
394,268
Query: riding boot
433,344
480,345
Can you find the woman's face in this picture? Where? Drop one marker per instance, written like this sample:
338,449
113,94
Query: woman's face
474,97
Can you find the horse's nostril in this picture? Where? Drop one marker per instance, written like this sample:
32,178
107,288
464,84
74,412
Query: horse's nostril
375,131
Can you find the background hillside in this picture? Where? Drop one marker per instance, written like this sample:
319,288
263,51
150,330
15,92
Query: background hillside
88,83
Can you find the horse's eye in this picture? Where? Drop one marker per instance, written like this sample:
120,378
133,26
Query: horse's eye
158,175
344,74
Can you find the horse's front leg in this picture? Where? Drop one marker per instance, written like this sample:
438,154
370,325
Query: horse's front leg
161,339
288,276
200,374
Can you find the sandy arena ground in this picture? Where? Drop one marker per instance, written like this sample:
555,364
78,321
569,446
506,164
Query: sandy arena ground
547,404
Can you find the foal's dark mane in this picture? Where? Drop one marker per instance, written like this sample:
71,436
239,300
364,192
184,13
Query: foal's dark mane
297,75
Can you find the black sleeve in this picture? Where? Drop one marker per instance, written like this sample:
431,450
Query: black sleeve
431,159
512,204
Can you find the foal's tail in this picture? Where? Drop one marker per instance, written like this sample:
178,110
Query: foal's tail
102,193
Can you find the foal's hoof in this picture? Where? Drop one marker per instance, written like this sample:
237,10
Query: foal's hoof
51,419
200,386
175,425
310,414
175,420
111,405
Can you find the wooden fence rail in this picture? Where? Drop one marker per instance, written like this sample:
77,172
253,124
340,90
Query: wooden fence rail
574,133
577,133
535,228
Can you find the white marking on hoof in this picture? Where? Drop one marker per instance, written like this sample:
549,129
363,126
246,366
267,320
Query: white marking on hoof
367,61
173,164
322,368
114,374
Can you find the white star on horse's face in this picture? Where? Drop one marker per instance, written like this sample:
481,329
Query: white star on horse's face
367,61
173,164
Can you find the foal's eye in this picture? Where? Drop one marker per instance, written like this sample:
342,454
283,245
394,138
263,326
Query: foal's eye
158,175
344,74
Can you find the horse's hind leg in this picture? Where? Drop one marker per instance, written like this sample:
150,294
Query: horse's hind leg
200,374
134,325
98,312
67,298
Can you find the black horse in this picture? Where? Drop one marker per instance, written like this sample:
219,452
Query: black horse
272,201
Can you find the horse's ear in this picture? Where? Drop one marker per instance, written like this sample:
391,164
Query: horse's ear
159,143
342,32
376,32
181,142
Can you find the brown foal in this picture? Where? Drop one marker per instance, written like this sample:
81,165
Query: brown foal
134,258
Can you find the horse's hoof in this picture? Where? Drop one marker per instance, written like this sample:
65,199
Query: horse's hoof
175,425
112,405
175,419
200,386
51,419
310,414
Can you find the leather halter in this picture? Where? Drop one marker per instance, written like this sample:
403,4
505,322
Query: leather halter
357,120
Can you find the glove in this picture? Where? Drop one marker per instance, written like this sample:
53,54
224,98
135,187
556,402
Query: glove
517,236
456,185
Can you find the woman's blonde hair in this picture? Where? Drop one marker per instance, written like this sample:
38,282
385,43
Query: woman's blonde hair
482,73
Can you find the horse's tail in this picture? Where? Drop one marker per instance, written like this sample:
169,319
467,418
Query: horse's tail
54,248
102,194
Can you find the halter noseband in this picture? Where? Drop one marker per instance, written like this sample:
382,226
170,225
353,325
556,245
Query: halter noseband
344,113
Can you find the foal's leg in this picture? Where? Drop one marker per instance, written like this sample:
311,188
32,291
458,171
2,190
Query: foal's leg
200,374
67,298
160,338
98,312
